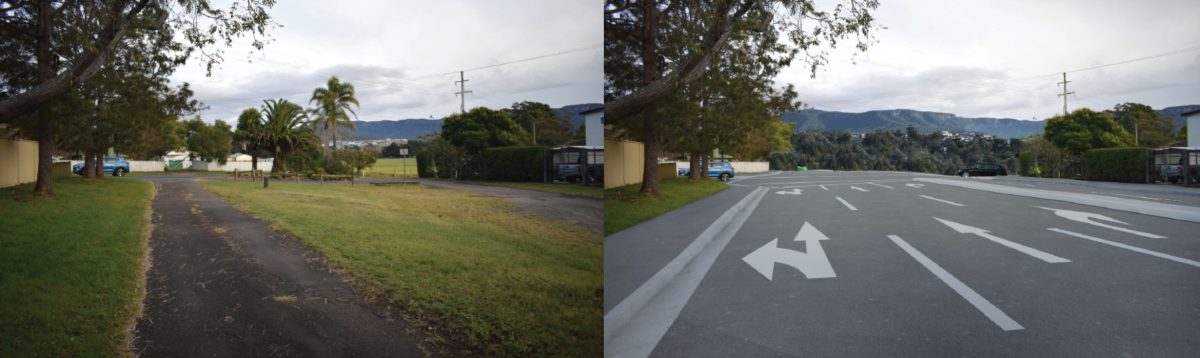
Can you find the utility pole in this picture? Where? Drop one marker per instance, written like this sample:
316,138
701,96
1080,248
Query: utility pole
462,92
1065,93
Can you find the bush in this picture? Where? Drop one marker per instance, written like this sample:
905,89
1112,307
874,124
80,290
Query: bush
1116,164
525,163
425,167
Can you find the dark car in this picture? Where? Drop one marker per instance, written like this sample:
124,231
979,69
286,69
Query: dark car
981,170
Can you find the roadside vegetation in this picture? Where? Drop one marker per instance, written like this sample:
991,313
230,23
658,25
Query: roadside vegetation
392,168
569,189
500,282
625,206
71,277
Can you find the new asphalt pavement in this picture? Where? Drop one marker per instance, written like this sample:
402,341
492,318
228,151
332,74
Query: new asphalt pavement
903,264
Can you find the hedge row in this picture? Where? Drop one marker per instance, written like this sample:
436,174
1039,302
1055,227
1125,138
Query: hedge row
425,164
514,163
1116,164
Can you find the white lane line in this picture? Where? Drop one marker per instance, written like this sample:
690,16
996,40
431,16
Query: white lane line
859,189
941,200
1039,254
756,176
823,187
633,327
1136,196
1128,247
987,308
881,185
1172,211
848,206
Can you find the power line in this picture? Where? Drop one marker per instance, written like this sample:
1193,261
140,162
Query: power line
1151,57
527,59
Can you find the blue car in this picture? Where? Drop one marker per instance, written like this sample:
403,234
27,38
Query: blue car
117,166
720,170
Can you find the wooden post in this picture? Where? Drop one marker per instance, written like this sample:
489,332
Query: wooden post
235,174
351,179
266,180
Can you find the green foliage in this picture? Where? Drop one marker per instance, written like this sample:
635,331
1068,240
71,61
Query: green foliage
552,129
514,163
1128,165
1148,127
893,150
482,128
1048,161
348,161
625,207
333,103
425,168
284,131
209,143
391,151
1085,129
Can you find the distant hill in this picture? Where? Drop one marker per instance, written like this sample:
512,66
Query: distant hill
414,128
924,121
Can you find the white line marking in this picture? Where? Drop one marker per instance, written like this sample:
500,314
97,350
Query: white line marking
859,189
944,201
823,187
1086,217
1128,247
795,191
812,263
881,185
633,327
987,308
914,185
965,229
848,206
842,181
1172,211
1135,196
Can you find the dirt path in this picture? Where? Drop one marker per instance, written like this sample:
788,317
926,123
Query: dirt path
223,284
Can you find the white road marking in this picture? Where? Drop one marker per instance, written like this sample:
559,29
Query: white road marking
823,187
1128,247
635,325
756,176
841,181
859,189
965,229
1136,196
915,185
941,200
1171,211
813,263
880,185
1085,217
982,304
795,191
848,206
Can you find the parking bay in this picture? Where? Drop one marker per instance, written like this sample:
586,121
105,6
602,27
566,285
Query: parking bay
906,283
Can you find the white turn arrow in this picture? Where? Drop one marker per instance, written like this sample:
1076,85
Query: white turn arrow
813,264
964,229
914,185
1085,217
795,191
859,189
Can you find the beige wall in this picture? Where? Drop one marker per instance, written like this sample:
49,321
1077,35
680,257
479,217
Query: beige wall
18,162
622,162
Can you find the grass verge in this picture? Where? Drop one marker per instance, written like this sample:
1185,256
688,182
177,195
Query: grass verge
71,268
569,189
393,168
625,207
500,282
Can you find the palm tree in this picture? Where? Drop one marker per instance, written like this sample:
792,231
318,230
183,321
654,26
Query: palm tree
284,130
249,134
333,101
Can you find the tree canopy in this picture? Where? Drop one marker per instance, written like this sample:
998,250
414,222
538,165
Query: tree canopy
482,128
552,129
1086,129
1148,127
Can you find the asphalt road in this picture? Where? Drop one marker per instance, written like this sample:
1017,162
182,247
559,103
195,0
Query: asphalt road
891,264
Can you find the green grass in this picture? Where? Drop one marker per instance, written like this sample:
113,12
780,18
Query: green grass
500,282
71,267
393,168
625,207
569,189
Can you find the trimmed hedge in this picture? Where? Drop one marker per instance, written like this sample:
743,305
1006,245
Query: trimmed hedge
514,163
1126,165
425,164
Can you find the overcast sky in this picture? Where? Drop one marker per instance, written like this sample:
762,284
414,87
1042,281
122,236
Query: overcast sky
979,58
398,53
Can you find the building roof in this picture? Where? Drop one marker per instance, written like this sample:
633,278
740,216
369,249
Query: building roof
1190,113
593,110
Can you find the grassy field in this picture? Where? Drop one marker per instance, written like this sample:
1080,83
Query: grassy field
500,282
393,168
570,189
625,207
71,268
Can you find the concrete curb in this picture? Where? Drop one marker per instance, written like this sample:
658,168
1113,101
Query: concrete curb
620,316
1170,211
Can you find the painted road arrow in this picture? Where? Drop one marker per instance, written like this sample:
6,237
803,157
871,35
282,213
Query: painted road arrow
795,191
914,185
1085,217
859,189
964,229
813,264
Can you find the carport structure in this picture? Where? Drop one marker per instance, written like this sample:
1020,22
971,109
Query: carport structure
1187,158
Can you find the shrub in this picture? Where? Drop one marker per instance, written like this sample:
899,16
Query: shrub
425,167
526,163
1116,164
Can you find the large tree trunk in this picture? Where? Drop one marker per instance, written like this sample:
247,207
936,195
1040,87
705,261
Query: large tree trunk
253,166
45,71
694,165
650,74
704,165
89,165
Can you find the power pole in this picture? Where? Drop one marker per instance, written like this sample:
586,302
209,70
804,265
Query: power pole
1065,93
462,92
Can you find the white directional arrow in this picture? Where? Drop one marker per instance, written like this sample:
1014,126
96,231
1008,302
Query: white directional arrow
859,189
1085,217
795,191
964,229
813,264
915,185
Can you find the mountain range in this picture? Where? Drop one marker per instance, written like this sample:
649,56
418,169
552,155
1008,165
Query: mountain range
808,119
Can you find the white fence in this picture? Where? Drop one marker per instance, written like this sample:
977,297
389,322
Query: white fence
230,166
738,167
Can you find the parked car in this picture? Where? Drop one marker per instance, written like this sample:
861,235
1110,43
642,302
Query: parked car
721,170
117,166
1173,173
979,170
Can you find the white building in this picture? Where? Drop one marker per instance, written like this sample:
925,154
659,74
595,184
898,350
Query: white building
593,122
1193,128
